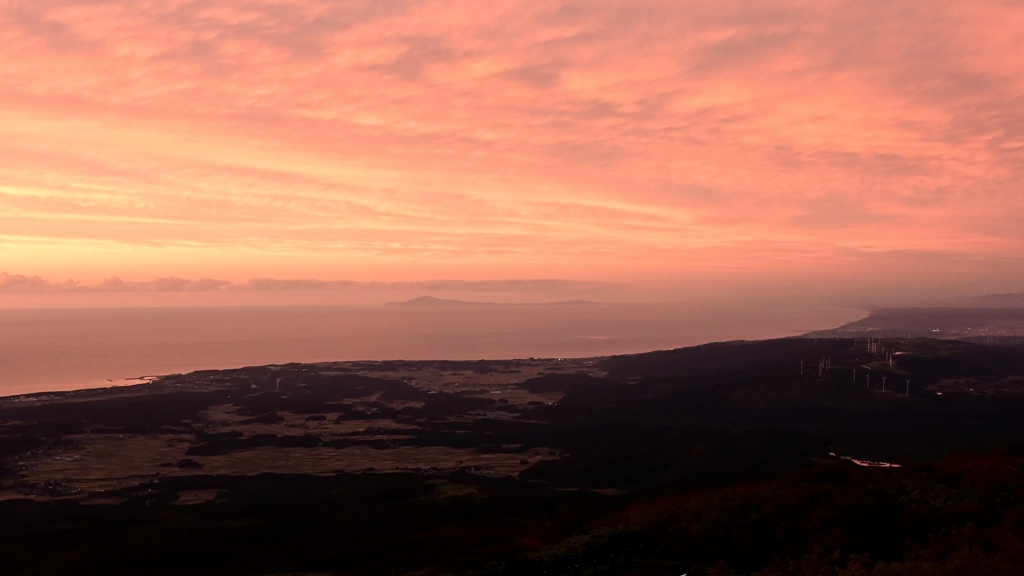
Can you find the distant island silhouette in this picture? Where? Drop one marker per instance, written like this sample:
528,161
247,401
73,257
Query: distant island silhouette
432,301
440,302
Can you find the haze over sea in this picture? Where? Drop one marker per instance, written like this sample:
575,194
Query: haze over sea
68,349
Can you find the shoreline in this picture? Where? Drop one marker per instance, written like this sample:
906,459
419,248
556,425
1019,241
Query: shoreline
448,333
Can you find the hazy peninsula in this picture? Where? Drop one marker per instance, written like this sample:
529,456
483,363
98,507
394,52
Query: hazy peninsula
431,301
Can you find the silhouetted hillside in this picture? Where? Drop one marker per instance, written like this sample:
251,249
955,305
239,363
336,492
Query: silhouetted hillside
806,456
432,301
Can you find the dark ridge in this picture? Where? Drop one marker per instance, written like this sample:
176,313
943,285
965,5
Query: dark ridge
934,322
735,458
771,356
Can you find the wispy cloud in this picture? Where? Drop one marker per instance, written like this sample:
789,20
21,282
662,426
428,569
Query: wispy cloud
607,138
273,284
514,285
21,283
35,284
159,285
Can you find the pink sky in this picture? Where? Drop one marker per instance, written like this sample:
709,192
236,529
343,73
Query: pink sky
365,150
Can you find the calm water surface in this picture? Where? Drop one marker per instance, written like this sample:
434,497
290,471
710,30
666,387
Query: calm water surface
43,350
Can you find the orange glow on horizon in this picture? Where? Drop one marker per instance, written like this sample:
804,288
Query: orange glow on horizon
826,145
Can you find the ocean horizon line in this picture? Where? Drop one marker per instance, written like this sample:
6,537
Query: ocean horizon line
61,349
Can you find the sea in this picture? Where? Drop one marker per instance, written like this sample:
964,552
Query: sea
69,349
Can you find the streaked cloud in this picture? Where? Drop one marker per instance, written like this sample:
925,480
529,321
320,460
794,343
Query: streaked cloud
35,284
518,285
297,284
22,283
599,141
115,284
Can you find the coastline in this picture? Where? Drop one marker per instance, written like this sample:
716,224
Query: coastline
484,445
90,349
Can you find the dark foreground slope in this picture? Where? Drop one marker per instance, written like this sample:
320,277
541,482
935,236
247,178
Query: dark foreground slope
729,458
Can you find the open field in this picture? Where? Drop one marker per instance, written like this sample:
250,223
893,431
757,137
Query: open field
363,427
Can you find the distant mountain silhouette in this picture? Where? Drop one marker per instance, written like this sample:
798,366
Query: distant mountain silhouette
439,302
432,301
